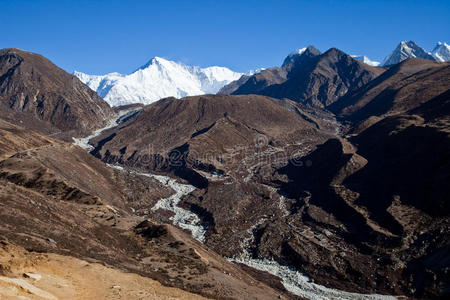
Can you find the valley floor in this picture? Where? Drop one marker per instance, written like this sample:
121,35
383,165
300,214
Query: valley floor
293,281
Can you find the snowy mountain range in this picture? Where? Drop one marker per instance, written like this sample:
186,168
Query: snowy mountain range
410,49
403,51
406,50
159,78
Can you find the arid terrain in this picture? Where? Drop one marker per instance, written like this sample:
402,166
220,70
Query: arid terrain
30,275
325,178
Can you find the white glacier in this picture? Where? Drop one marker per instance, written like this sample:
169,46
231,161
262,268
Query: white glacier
159,78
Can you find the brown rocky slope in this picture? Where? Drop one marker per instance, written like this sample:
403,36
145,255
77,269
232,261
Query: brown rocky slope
403,87
55,197
312,78
31,87
367,213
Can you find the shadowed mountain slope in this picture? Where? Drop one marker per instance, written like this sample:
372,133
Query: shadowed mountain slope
204,132
401,88
312,78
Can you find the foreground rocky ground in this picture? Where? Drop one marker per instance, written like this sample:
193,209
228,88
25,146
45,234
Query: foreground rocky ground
30,275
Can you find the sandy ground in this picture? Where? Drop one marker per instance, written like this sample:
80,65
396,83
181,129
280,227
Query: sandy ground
63,277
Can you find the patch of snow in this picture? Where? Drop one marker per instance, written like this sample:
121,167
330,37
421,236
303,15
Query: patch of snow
255,71
297,52
292,56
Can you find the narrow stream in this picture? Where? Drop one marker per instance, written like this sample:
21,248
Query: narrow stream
182,218
83,142
300,285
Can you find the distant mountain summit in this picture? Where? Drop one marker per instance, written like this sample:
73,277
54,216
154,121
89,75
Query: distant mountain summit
366,60
299,55
406,50
159,78
441,52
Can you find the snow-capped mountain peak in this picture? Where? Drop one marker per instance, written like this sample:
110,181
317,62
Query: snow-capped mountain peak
366,60
299,54
157,79
406,50
441,52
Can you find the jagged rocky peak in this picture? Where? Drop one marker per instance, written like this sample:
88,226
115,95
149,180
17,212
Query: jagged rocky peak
406,50
298,54
441,52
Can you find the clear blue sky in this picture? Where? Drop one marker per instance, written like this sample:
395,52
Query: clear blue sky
97,37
